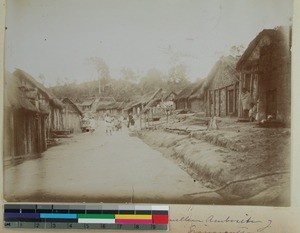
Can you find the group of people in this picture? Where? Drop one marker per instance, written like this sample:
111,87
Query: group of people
112,124
115,124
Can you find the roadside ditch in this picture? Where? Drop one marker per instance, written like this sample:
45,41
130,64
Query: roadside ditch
233,166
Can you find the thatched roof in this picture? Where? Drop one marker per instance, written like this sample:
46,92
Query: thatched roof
52,98
167,94
222,74
88,102
186,92
75,107
130,105
14,97
199,90
117,105
106,99
145,99
104,106
107,105
280,34
154,98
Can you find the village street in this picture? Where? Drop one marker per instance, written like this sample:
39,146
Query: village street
96,167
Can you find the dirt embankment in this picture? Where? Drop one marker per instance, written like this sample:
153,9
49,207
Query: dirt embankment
243,163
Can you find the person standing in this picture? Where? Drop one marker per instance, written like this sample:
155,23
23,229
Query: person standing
246,102
130,121
252,112
108,124
93,125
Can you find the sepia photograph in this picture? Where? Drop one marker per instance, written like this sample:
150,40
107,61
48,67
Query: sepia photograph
178,102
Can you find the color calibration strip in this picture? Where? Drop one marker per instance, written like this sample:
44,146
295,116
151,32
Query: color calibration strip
110,217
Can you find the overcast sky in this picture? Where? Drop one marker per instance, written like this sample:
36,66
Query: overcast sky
56,37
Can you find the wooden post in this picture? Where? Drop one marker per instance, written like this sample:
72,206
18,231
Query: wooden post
234,99
226,101
251,84
240,108
212,125
219,91
208,103
214,104
167,116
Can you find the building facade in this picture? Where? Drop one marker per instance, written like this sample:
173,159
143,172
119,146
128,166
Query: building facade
265,71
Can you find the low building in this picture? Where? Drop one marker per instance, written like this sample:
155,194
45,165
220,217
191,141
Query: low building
115,108
169,100
197,98
25,120
182,99
45,97
137,106
222,88
265,71
87,105
71,116
106,105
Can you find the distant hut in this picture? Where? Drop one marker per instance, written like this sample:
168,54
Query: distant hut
222,88
71,116
140,102
104,105
87,105
25,114
153,99
169,99
197,98
115,108
182,99
44,97
128,107
265,71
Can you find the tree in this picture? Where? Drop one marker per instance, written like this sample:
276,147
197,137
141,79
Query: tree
124,90
177,77
42,78
129,75
237,50
103,73
153,80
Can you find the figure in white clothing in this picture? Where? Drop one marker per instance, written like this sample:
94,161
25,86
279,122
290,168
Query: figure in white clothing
108,124
92,125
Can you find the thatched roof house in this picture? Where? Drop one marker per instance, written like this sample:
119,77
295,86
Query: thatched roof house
223,73
154,99
146,100
43,96
221,87
74,107
181,99
71,116
265,70
197,98
87,104
26,79
14,97
25,118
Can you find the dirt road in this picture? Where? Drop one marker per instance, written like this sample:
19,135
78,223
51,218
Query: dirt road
100,168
